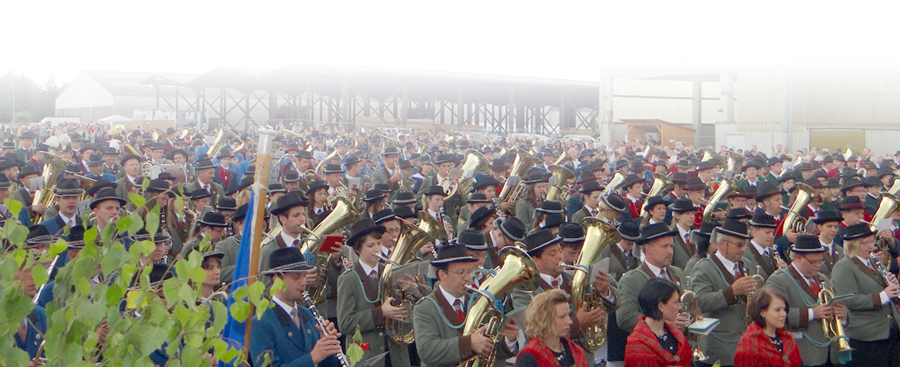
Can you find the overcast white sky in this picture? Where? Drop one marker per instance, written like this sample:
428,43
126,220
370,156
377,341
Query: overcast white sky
555,39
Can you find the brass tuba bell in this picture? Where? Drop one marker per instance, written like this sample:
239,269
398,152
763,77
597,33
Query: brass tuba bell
559,190
661,183
726,188
477,164
598,236
410,241
342,215
804,194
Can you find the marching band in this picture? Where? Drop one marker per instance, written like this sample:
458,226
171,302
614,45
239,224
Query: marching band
505,252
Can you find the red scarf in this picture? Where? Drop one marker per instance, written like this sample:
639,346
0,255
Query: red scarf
643,349
756,349
545,357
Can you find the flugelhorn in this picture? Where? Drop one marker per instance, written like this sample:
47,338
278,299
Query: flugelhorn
832,325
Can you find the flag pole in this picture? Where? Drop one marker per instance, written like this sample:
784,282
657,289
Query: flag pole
260,192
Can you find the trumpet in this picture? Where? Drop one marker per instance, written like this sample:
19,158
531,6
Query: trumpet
832,325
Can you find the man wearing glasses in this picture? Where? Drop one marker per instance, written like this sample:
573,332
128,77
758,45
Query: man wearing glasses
722,283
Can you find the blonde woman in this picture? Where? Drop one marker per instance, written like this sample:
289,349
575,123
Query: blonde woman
547,322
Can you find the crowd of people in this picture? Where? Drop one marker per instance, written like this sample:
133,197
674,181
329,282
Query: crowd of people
759,240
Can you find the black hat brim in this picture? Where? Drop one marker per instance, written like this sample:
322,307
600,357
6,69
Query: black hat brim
726,232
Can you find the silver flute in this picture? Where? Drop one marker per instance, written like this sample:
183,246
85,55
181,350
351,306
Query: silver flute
345,362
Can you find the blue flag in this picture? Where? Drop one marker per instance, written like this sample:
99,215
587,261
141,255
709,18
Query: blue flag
235,329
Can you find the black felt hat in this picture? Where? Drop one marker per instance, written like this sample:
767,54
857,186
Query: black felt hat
554,220
288,201
158,186
550,207
630,230
404,198
539,239
694,183
373,195
630,180
213,219
651,232
105,194
765,190
614,202
480,214
452,253
275,188
591,186
68,186
825,216
384,215
851,183
291,176
762,220
316,185
536,177
513,228
654,201
38,235
361,228
240,213
76,237
739,213
333,168
807,244
485,182
472,239
405,212
734,228
100,184
199,194
226,204
28,170
682,205
859,230
851,203
477,197
287,260
571,232
434,190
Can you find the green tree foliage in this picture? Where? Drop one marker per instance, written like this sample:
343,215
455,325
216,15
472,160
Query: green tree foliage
36,99
173,315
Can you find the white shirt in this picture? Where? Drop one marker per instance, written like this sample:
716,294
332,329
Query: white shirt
728,264
830,246
68,221
130,179
810,314
761,250
656,271
451,300
288,240
633,200
287,308
591,211
367,270
386,251
550,280
682,232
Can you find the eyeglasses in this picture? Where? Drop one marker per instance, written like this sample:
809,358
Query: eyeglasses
392,230
463,272
727,242
814,262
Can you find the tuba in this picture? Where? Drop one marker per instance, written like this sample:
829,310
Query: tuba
559,191
53,168
734,162
475,164
410,241
661,183
342,215
320,168
650,151
805,194
614,183
726,188
221,140
513,193
849,153
598,236
518,271
710,155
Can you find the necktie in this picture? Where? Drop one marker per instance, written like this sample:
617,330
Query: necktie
662,274
555,284
295,315
457,305
373,276
737,272
295,243
813,285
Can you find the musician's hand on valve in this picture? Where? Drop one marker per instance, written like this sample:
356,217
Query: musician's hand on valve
882,257
326,346
791,235
781,264
505,205
840,311
510,330
823,311
743,285
311,276
397,176
427,249
601,282
481,344
680,322
391,312
39,208
589,317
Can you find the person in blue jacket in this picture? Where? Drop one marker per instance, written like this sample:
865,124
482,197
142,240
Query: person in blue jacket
30,332
288,332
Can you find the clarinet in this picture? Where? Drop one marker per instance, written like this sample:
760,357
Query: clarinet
345,362
447,226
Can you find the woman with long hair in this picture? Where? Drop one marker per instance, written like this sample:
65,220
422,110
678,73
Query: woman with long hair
655,341
547,323
317,209
766,343
535,189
